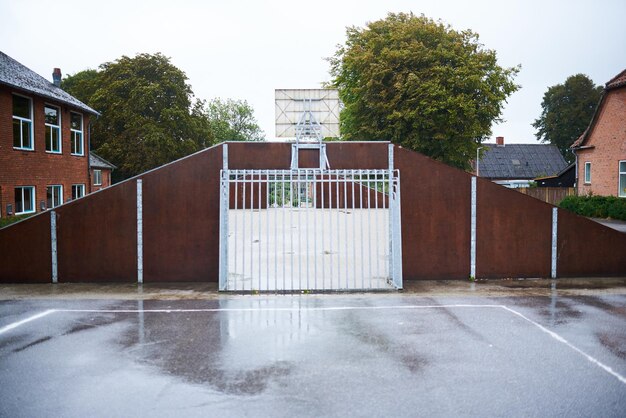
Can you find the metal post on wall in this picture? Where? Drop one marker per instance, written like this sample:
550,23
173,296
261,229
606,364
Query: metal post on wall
53,245
555,216
139,231
473,231
224,207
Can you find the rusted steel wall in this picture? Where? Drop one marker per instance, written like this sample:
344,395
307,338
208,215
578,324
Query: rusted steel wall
97,238
97,235
25,251
514,233
435,218
181,219
587,248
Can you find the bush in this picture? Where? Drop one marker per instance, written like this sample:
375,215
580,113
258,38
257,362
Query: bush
596,206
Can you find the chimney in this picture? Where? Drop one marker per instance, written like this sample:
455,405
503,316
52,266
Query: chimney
56,77
500,141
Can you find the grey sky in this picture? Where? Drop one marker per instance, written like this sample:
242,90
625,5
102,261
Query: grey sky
246,49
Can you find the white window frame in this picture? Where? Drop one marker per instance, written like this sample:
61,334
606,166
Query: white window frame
57,127
621,186
24,120
54,204
587,172
75,188
33,196
97,177
74,133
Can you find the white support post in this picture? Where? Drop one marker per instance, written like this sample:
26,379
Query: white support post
53,245
473,231
139,231
224,207
555,215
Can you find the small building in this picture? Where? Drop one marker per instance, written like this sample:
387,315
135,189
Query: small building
601,149
99,172
44,141
518,165
565,178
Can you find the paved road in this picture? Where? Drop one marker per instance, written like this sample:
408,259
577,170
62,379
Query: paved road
617,225
517,354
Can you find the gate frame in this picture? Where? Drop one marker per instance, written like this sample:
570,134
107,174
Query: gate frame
395,223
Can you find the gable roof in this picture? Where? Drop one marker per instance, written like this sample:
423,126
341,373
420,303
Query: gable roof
96,161
14,74
520,161
614,83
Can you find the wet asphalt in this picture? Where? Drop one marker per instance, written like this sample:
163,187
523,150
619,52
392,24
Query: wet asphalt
523,350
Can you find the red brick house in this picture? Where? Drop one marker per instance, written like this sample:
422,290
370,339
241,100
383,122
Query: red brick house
601,149
44,141
100,172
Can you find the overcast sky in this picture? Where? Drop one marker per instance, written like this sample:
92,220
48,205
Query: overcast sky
246,49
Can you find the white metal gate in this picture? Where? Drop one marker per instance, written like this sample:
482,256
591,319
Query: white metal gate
310,229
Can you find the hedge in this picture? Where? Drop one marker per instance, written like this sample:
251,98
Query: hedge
596,206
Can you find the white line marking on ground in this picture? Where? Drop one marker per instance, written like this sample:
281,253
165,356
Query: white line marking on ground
286,309
567,343
24,321
331,308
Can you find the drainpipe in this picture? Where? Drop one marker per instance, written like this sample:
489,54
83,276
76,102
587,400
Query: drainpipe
575,169
89,155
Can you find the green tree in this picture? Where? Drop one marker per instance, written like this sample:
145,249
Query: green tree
81,85
567,110
148,116
233,120
420,84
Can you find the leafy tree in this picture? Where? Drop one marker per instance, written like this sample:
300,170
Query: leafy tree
147,114
420,84
81,85
233,120
566,112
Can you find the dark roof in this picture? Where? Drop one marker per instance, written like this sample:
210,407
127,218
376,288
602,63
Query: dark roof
520,161
614,83
95,161
16,75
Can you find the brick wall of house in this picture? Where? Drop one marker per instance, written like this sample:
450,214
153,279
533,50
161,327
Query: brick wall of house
39,168
106,179
609,141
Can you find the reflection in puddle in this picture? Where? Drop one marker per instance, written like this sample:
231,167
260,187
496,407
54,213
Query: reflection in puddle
233,351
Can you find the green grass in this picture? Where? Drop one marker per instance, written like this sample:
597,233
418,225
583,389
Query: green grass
6,221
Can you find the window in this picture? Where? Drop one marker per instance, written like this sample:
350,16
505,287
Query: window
97,177
588,172
24,200
76,128
78,191
622,179
53,128
54,195
22,123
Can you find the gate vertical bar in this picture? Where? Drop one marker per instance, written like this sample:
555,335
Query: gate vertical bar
139,231
555,218
397,234
473,231
53,246
361,228
236,213
390,209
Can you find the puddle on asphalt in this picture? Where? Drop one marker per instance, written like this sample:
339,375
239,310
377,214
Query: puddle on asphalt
196,347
